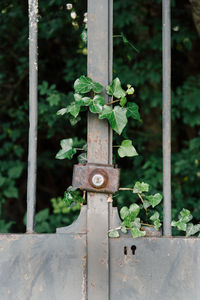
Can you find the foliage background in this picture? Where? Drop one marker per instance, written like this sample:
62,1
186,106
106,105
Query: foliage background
62,58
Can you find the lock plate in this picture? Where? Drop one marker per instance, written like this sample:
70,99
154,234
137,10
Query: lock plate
97,178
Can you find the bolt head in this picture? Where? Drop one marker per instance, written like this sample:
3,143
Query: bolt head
98,180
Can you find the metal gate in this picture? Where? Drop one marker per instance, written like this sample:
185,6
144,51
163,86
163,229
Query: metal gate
80,261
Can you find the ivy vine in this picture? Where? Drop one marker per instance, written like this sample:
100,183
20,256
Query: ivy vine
90,95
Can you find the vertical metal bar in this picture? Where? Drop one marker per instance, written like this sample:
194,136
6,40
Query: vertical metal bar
166,116
33,114
99,150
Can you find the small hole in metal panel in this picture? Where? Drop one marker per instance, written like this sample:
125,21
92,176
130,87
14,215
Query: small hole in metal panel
133,249
125,250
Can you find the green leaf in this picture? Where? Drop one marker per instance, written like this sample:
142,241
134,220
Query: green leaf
42,215
74,121
123,228
127,149
136,232
116,117
72,196
85,84
123,101
185,215
124,212
115,89
74,109
82,158
155,216
97,103
67,150
136,223
156,221
97,87
146,204
2,180
154,199
179,224
134,210
113,233
133,111
140,187
11,192
15,171
62,111
82,101
192,229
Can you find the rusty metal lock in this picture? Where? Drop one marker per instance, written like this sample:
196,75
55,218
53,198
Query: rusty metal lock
96,178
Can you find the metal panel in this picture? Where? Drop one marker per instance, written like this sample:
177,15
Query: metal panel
166,117
161,268
50,266
99,150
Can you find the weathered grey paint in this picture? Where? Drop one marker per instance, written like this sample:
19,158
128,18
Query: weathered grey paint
54,266
33,114
166,117
99,150
44,266
161,269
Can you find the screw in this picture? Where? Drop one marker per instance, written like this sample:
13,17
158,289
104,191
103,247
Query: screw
98,180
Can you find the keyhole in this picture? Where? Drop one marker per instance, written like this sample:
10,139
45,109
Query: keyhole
133,248
125,250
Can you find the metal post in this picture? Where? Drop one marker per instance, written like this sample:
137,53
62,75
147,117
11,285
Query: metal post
166,117
99,149
33,114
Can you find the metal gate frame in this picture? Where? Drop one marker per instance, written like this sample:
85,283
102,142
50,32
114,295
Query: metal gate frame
80,261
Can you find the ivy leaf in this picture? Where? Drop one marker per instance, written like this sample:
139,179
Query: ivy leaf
124,212
74,109
15,171
62,111
146,204
97,103
113,233
67,150
11,192
116,117
85,84
179,224
136,232
136,223
140,187
127,149
155,216
123,228
74,121
156,221
185,215
82,158
154,199
123,101
133,111
72,196
82,101
192,229
134,210
115,89
97,87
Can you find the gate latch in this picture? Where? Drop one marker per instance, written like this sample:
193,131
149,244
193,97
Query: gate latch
97,178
